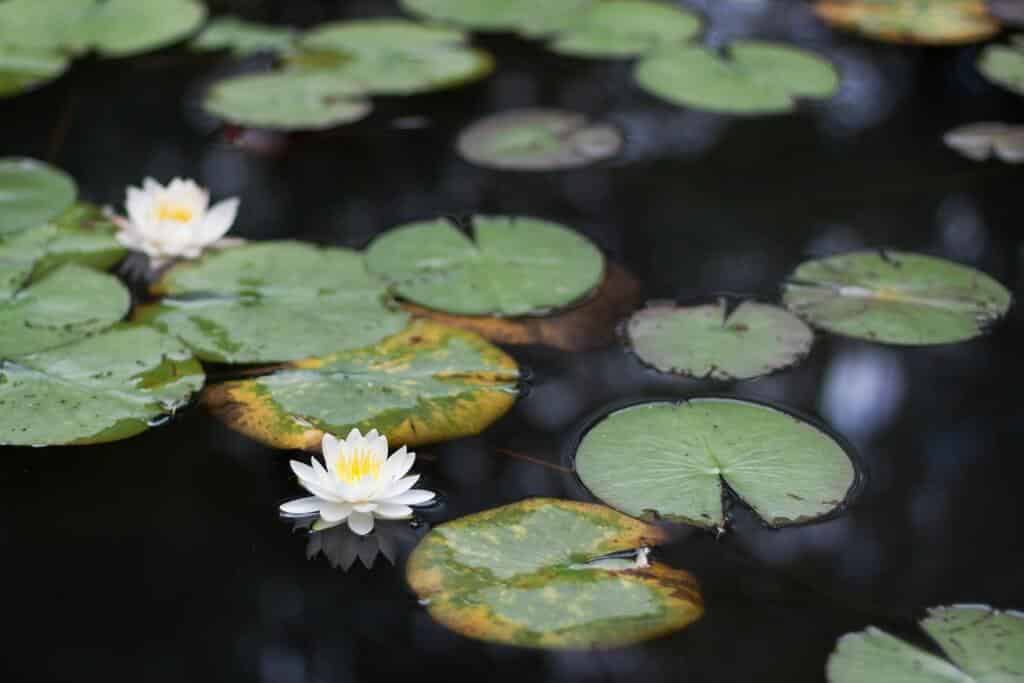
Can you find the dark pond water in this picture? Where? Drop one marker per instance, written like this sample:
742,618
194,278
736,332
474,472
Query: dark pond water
162,558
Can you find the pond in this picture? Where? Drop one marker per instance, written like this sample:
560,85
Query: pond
163,557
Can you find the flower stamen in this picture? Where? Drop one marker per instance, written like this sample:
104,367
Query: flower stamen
358,466
169,211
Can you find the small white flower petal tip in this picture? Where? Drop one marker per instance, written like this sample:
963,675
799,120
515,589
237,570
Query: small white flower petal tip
174,221
357,483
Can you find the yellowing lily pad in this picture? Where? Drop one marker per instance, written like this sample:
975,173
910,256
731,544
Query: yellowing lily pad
538,140
522,575
718,341
61,307
626,28
507,266
529,17
102,388
288,100
980,141
273,301
751,78
1004,64
674,461
24,68
243,37
427,384
922,22
982,644
896,297
32,193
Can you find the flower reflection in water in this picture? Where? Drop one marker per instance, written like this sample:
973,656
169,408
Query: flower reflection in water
341,547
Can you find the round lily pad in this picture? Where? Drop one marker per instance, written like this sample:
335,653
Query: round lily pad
43,24
626,28
530,17
718,341
980,141
288,100
31,193
1004,64
753,77
521,575
24,68
121,28
243,37
982,644
538,140
102,388
896,297
273,301
506,266
67,304
398,57
922,22
427,384
674,461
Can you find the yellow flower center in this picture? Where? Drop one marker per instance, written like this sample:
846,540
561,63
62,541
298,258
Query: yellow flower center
169,211
357,467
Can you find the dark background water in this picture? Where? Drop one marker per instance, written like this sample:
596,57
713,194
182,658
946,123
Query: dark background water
161,558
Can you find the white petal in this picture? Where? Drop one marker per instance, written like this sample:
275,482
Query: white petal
398,464
393,511
354,435
399,487
312,483
414,497
301,506
335,512
331,447
364,507
217,222
360,523
151,186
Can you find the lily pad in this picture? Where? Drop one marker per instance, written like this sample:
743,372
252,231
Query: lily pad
32,193
626,28
288,100
24,68
61,307
586,327
753,77
506,266
521,575
983,645
273,301
674,461
398,57
243,37
980,141
538,140
529,17
718,341
896,297
427,384
1004,64
102,388
921,22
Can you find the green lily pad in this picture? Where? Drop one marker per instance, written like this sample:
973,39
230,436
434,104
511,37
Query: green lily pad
427,384
529,17
398,57
983,645
48,25
82,235
896,297
243,37
1004,64
920,22
288,100
626,28
32,193
273,301
24,68
673,461
754,78
509,266
538,140
980,141
102,388
718,341
66,304
521,575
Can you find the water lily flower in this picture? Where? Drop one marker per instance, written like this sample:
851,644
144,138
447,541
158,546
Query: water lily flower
357,482
175,221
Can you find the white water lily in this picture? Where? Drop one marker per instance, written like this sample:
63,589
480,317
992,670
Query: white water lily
175,221
357,482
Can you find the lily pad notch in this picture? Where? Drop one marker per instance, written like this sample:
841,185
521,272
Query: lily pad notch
690,461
